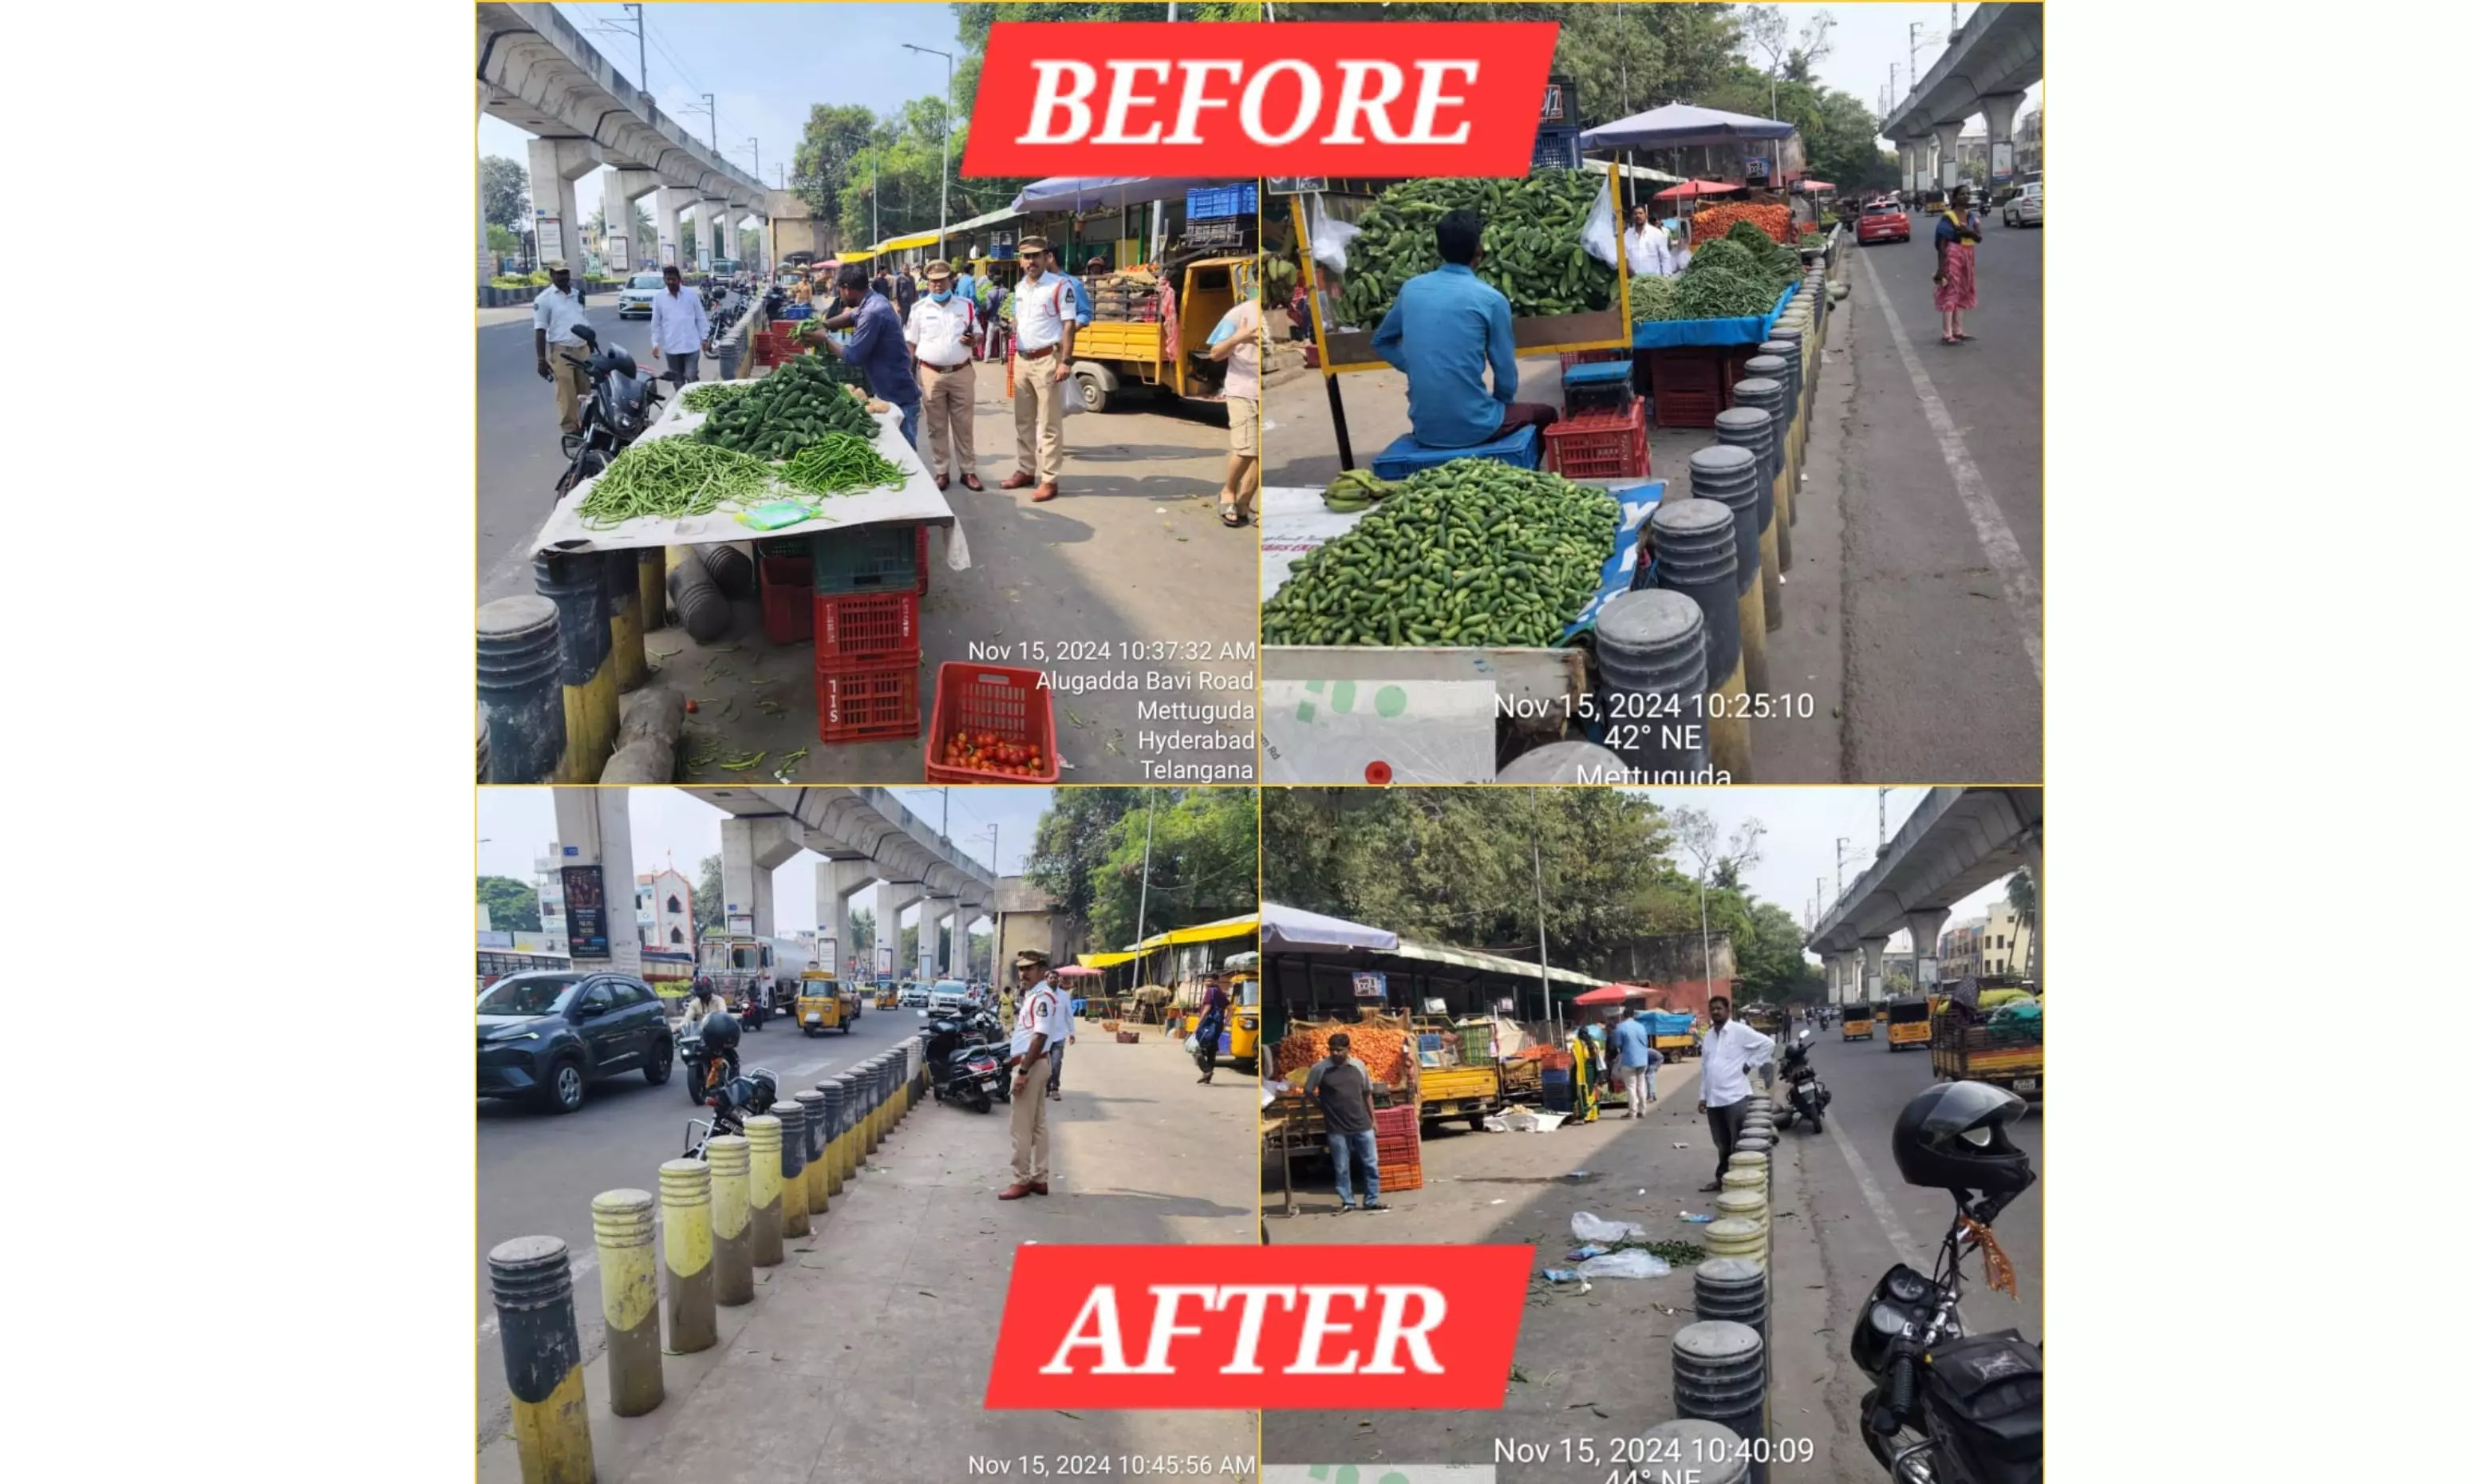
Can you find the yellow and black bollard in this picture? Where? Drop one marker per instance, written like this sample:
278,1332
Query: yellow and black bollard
818,1186
793,1167
630,1299
733,1275
763,1190
533,1291
866,1088
626,600
686,1249
835,1091
572,581
652,587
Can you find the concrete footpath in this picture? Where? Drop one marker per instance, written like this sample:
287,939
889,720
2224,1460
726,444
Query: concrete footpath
1590,1367
864,1356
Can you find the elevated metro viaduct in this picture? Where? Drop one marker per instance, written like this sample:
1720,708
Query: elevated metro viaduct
1991,59
1957,842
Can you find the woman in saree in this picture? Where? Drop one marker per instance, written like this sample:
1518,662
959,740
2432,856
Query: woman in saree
1952,286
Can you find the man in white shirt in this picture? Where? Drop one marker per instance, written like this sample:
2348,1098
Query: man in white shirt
563,360
1044,316
1045,1021
1726,1056
1643,244
943,334
680,327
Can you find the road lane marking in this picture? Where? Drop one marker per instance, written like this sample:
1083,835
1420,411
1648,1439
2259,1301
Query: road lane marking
1990,528
1907,1249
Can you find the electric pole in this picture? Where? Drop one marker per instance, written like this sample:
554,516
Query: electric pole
711,116
1141,920
944,186
1543,963
1883,822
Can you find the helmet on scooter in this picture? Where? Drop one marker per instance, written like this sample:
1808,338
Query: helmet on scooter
1953,1136
720,1031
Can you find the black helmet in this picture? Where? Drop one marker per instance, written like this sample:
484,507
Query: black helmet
1954,1136
720,1031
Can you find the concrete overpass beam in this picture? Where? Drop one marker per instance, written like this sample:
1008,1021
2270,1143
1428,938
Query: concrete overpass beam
1875,987
1925,927
715,232
1999,115
593,825
835,883
556,165
620,189
674,201
750,851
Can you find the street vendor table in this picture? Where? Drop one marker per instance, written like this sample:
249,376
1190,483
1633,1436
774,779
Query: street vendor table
1365,712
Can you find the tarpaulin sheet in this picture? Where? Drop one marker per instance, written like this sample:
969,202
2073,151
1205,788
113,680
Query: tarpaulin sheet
1747,330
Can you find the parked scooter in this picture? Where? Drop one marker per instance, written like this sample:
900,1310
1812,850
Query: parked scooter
731,1104
1806,1096
962,1066
623,402
1947,1408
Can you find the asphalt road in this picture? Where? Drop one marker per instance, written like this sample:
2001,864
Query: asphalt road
1941,497
1867,1218
539,1172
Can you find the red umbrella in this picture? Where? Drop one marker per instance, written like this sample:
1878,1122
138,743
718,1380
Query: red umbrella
1688,189
1613,994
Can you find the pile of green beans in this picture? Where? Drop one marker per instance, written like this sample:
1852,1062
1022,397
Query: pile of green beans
1471,553
838,464
672,477
705,396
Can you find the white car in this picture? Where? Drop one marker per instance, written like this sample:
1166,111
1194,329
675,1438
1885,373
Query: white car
2025,209
913,997
949,997
636,299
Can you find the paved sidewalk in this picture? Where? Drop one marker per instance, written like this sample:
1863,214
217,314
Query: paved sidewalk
865,1354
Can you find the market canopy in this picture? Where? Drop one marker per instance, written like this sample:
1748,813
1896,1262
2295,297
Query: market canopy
911,240
1679,124
1486,963
1689,189
1292,928
1243,926
1106,960
1613,994
1082,192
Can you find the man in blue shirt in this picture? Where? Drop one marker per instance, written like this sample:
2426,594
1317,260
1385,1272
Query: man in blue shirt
1448,326
1639,1059
876,346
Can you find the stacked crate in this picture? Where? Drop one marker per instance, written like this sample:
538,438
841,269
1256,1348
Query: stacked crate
1398,1141
866,585
1125,298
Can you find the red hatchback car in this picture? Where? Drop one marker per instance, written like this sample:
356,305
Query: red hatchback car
1883,222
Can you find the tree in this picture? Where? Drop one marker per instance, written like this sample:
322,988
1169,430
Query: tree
503,244
1622,60
506,193
860,953
1070,844
709,898
514,907
1204,855
1766,30
2023,900
1695,828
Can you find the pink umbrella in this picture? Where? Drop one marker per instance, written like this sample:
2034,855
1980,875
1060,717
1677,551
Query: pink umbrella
1689,189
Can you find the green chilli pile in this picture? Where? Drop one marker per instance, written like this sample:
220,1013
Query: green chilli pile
1652,299
838,464
787,410
673,477
710,396
1472,552
1736,276
1813,240
1531,244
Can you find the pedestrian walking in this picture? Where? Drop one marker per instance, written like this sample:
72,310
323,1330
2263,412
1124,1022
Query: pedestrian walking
1237,342
681,329
943,333
1727,1053
560,355
1343,1088
1044,1024
904,291
1205,1035
1044,321
1952,285
1639,1059
878,345
1585,1062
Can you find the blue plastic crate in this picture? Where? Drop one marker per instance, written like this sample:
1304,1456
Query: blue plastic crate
798,312
1203,202
1520,449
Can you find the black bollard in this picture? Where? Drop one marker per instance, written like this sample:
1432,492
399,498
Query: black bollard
1651,662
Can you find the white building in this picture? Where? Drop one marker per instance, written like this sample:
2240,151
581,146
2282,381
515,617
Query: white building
665,910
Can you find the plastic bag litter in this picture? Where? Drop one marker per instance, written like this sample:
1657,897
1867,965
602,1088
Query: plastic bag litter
1628,1263
1587,1226
1330,236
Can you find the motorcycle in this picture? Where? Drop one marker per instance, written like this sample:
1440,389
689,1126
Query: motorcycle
706,1072
1806,1096
731,1104
752,1011
962,1066
1948,1407
622,402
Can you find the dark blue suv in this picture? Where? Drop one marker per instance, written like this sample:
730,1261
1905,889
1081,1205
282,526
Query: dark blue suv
547,1036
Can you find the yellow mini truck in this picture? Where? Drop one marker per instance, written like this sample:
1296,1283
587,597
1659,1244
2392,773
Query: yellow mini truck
1112,356
1909,1024
825,1003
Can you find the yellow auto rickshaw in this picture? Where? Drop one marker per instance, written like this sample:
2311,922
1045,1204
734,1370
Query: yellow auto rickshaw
1244,1021
1857,1022
1909,1022
887,997
1765,1018
825,1003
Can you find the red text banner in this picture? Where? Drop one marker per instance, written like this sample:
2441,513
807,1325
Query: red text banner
1238,100
1429,1328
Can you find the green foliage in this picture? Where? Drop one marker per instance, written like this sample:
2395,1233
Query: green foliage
1204,858
514,905
506,193
503,242
709,914
1622,59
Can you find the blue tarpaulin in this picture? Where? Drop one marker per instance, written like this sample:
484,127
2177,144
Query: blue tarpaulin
1622,569
1667,334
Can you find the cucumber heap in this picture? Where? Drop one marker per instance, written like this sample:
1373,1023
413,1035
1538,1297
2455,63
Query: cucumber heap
1531,244
786,412
1472,552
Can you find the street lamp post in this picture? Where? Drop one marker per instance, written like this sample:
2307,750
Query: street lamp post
944,185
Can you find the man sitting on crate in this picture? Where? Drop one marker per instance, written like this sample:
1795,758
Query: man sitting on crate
1448,326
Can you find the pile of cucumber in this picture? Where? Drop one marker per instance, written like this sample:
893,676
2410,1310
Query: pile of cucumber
787,410
1532,252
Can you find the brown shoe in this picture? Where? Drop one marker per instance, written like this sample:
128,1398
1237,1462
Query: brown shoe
1046,493
1038,1187
1016,479
1014,1192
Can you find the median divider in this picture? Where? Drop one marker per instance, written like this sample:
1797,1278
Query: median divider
793,1167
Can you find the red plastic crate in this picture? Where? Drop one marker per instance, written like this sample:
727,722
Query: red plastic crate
1599,445
1687,408
1400,1123
878,703
854,630
1571,358
783,583
1010,703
